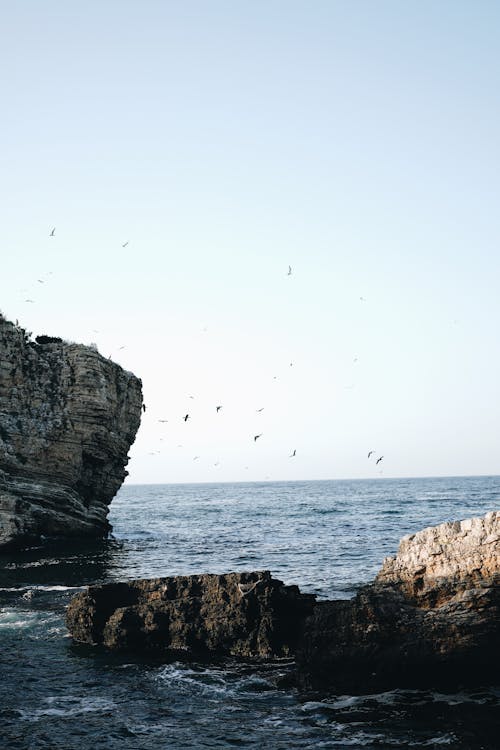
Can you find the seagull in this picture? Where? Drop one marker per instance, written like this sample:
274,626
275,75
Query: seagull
362,299
216,464
186,417
246,588
144,407
120,348
29,300
259,410
289,271
378,460
52,234
125,244
218,408
293,454
370,453
163,420
40,281
191,397
195,458
256,437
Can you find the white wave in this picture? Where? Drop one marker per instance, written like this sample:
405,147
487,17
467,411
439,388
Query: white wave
69,705
14,619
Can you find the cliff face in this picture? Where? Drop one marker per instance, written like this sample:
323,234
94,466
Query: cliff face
67,419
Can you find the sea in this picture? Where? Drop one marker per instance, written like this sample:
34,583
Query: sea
329,537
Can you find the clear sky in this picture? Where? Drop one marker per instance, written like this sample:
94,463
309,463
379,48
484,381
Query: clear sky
356,142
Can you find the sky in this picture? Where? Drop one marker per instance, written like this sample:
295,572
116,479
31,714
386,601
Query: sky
356,142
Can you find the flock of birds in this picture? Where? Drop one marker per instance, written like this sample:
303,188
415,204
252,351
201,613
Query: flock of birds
218,407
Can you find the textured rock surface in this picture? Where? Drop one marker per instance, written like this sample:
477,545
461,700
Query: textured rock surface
67,419
199,613
452,554
432,617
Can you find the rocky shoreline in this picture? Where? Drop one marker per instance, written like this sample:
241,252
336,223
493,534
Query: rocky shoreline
430,618
68,417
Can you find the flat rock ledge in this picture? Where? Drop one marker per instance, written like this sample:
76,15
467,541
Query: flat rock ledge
68,417
238,614
431,618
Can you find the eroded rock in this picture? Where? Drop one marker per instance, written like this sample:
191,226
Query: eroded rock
431,618
67,419
241,614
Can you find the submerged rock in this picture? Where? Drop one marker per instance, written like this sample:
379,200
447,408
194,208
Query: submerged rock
431,618
67,419
241,614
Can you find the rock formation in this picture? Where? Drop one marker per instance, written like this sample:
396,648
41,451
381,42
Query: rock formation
243,614
430,618
67,419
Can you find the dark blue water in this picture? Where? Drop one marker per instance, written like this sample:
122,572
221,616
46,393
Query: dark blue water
328,537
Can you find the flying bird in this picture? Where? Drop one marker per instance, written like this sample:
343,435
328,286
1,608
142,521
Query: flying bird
163,420
195,458
52,234
378,460
125,244
289,271
370,453
186,417
40,281
218,408
256,437
259,410
362,299
29,300
144,407
293,454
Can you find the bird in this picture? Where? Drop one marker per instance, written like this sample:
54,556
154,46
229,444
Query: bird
378,460
291,364
144,407
362,299
289,271
52,234
259,410
256,437
163,420
29,300
40,281
191,397
370,453
195,458
186,417
125,244
246,588
293,454
218,408
217,463
120,348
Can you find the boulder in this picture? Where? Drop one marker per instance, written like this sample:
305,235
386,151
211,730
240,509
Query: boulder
67,419
239,614
431,618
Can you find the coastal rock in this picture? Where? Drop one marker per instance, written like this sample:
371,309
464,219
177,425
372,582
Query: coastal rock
432,617
67,419
241,614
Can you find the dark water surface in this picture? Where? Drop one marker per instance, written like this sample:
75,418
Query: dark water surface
328,537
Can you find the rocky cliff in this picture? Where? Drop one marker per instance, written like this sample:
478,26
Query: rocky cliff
67,419
243,614
432,617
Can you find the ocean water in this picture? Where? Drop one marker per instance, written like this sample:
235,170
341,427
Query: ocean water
327,537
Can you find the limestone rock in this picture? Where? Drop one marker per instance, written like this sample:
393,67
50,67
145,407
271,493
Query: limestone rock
242,614
432,618
67,419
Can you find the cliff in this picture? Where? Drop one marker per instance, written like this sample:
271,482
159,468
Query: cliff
67,419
